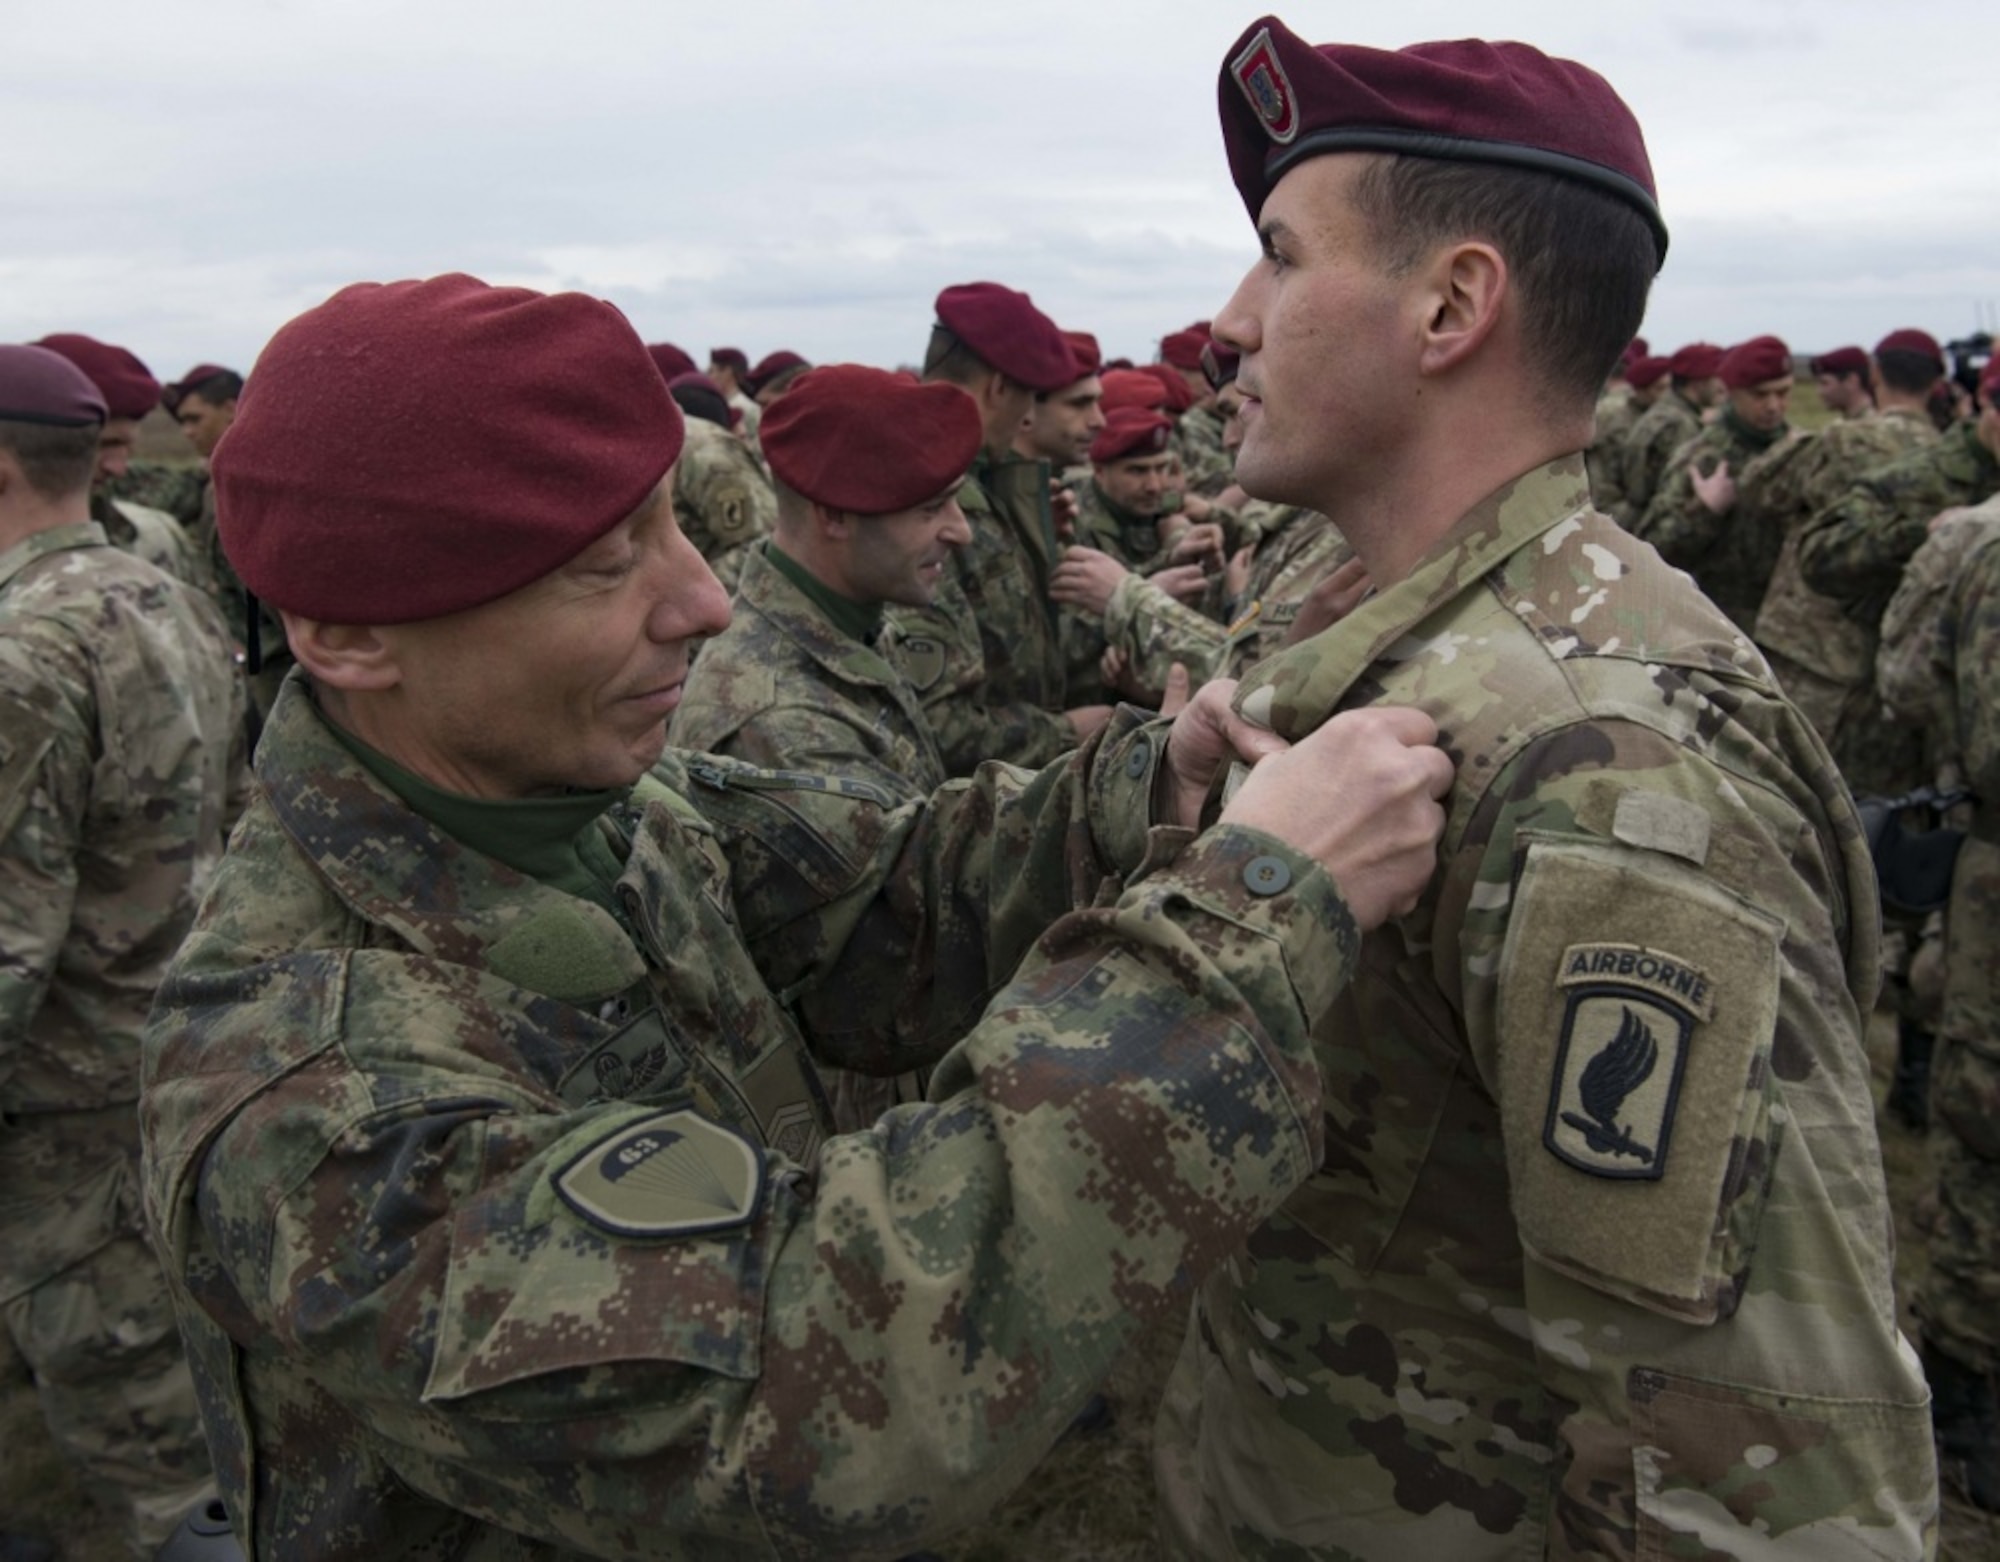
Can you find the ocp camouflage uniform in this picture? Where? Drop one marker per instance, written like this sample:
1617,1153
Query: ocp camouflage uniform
1730,555
1598,1258
988,657
117,717
1959,1299
1823,656
1855,549
1197,439
1617,415
722,499
503,1220
146,533
1298,549
1662,429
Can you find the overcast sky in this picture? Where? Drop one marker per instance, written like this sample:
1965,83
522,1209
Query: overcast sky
183,178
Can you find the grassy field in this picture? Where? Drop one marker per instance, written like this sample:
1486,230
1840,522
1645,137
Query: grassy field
1091,1501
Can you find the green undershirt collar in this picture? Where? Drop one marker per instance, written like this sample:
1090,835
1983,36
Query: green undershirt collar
857,620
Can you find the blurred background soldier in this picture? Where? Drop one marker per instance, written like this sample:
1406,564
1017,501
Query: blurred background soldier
119,733
1061,423
1618,413
729,368
722,498
1674,419
1842,377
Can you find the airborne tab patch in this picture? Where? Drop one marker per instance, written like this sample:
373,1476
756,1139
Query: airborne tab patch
1625,1034
1268,89
676,1174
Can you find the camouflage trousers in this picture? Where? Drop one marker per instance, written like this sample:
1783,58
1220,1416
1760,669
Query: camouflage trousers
88,1309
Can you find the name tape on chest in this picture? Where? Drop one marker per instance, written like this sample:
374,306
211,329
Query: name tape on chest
676,1174
1627,1022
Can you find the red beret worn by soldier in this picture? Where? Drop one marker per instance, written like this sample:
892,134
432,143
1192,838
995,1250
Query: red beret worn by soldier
731,358
1696,361
671,361
39,385
130,391
1508,1318
1131,431
1182,349
1083,347
445,512
771,366
172,392
1908,340
1642,372
1004,327
1179,394
1842,360
870,442
1761,359
1132,388
494,1181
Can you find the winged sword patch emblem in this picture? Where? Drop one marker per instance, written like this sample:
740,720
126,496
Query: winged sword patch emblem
1617,1075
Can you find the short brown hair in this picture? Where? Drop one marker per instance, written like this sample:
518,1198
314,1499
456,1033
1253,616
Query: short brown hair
57,462
1582,262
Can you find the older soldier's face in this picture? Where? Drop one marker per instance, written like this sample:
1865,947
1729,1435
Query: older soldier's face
1138,483
565,683
1324,332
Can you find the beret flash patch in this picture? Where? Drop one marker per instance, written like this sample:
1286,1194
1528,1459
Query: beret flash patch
1269,90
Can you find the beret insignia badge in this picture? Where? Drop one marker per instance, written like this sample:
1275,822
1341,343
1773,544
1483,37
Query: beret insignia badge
1617,1078
1268,89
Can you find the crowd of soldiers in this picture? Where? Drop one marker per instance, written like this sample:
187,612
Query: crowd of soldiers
785,911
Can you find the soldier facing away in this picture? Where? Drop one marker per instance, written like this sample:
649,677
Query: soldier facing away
119,725
481,1133
1597,1260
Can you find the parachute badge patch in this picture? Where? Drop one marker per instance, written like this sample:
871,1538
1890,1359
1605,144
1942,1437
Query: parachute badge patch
676,1174
1626,1028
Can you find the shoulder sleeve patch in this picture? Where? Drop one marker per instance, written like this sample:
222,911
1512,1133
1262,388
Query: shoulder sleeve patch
677,1174
1638,1005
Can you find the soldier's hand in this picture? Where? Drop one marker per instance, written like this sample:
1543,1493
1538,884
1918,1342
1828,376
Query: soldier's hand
1182,582
1175,698
1332,598
1205,737
1359,796
1087,720
1716,490
1198,544
1085,580
1062,508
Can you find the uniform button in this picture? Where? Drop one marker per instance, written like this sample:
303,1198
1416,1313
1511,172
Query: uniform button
1266,876
1140,759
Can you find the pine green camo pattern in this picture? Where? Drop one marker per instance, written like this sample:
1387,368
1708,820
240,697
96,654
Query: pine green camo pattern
1824,657
784,688
1454,1343
119,742
174,487
1006,670
378,1049
1854,550
1617,415
1662,429
1731,555
722,499
1959,1300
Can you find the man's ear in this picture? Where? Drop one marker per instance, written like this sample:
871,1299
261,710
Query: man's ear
343,656
836,525
1468,287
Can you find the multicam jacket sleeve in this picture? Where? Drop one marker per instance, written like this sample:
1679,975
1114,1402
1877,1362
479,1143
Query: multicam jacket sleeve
475,1196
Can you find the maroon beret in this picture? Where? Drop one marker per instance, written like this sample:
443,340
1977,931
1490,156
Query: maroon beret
1130,431
1641,372
412,449
1755,361
731,358
127,385
869,441
1219,364
1084,349
671,360
1131,388
1842,360
1006,329
1636,349
1284,101
172,392
1182,349
1696,361
1913,341
1180,395
40,386
770,366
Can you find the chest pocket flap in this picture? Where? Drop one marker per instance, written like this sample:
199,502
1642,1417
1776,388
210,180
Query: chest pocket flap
1638,1003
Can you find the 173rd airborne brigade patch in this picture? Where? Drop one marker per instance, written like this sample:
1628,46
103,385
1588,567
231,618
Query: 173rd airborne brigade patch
675,1174
1617,1077
1264,83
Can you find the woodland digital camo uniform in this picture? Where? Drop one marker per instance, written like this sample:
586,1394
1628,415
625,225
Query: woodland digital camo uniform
499,1214
1597,1260
118,713
987,656
722,499
787,687
1822,654
1662,429
1730,555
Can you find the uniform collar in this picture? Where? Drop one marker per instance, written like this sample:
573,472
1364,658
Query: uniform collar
57,539
1291,691
773,590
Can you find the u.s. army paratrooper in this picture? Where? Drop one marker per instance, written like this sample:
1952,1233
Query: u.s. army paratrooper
1597,1259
